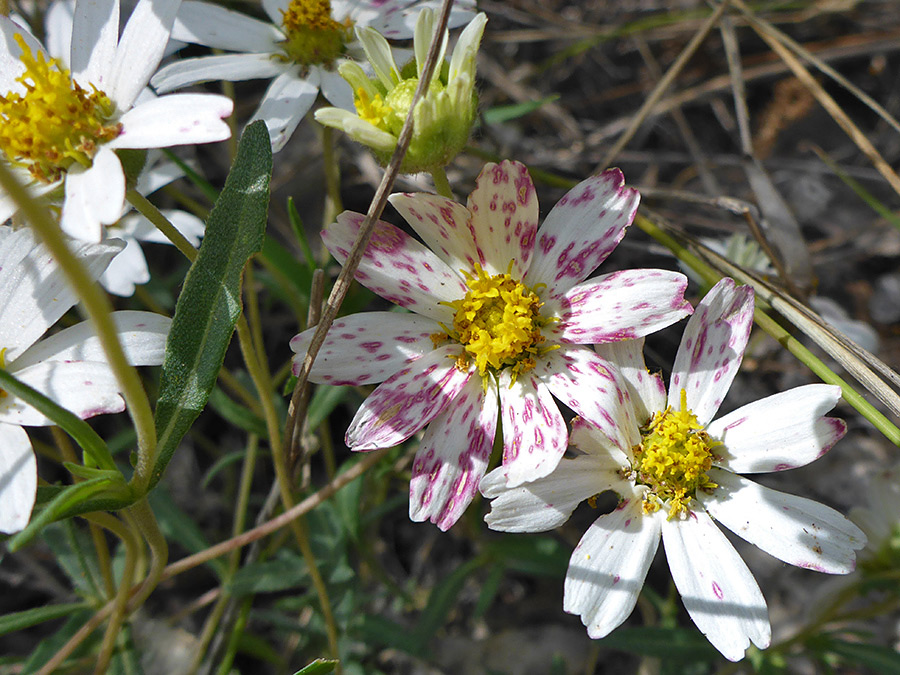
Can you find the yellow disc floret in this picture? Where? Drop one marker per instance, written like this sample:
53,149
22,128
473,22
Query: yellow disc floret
313,36
498,322
56,123
672,460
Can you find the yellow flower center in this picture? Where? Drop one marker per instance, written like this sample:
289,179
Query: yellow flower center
497,322
313,37
672,459
56,123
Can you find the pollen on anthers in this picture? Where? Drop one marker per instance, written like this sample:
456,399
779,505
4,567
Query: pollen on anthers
498,324
672,460
56,123
313,36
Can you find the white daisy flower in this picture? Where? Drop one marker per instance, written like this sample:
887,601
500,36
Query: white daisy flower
60,128
501,316
676,470
298,48
68,367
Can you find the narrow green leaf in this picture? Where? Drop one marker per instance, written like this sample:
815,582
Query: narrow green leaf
32,617
126,660
537,556
880,659
286,571
239,415
318,667
298,275
65,503
443,598
76,556
381,631
210,302
300,233
181,528
80,431
507,113
205,186
47,647
323,402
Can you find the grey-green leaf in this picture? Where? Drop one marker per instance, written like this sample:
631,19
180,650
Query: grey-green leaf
210,302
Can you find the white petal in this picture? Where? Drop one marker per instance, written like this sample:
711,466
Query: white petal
86,388
275,9
547,502
608,567
712,348
214,26
229,67
285,103
94,197
18,478
176,119
534,432
11,65
779,432
141,334
367,347
95,33
581,230
798,531
466,45
648,391
407,401
58,30
591,387
336,90
453,456
140,49
589,439
34,292
378,52
126,270
717,589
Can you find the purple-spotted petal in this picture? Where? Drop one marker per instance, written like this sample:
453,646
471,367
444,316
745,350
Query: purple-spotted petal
648,391
397,267
367,347
590,386
408,400
782,431
711,348
504,210
453,457
717,589
798,531
581,231
588,438
534,433
608,567
444,225
546,503
620,306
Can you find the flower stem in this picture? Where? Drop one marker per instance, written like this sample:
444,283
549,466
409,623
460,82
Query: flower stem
147,209
159,549
441,184
332,169
99,310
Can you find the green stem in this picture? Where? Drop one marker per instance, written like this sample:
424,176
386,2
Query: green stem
131,543
441,184
99,309
332,168
147,209
159,549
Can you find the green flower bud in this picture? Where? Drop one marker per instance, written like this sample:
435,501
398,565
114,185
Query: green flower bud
443,116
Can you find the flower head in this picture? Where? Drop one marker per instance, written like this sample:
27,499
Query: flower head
62,120
443,116
501,314
675,470
68,367
299,47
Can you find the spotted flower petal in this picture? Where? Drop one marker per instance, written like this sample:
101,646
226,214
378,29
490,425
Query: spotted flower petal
453,457
407,401
712,348
581,231
366,348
